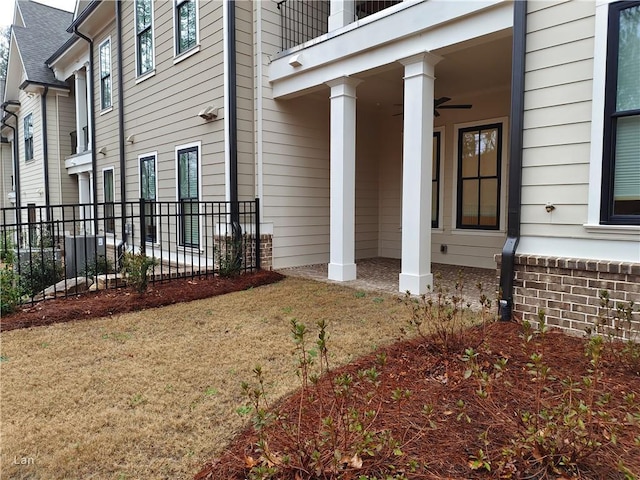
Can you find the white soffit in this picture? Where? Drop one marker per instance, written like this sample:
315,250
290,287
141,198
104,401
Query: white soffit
425,26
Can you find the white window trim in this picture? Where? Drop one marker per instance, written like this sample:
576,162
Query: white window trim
155,167
597,124
178,57
504,160
440,227
152,72
197,144
110,107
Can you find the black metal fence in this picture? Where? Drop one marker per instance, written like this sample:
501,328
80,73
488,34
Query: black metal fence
302,20
67,249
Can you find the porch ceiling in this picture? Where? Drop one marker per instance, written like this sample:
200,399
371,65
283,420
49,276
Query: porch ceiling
465,70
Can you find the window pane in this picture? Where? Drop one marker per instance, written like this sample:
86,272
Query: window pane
489,153
143,14
186,26
145,51
628,94
105,84
470,202
626,189
148,178
470,147
434,205
489,202
108,186
105,54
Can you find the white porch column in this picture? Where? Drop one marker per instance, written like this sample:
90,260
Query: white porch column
417,154
342,265
81,108
88,107
342,13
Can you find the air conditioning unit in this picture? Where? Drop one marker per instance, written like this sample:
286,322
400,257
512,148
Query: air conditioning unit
82,253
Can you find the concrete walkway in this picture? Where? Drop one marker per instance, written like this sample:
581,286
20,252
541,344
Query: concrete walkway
381,275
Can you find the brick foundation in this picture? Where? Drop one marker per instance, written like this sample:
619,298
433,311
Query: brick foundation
568,290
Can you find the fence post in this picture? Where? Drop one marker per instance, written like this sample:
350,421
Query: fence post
257,233
143,224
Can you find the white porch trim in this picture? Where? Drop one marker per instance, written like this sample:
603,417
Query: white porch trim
342,265
417,151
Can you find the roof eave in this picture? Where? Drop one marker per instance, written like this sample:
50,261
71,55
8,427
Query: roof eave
66,46
83,16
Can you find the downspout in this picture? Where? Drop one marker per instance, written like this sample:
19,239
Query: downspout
94,163
123,189
45,150
16,159
507,269
236,229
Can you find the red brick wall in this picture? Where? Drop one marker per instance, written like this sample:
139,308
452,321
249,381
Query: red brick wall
569,289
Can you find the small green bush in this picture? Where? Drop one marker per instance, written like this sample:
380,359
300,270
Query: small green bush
7,252
10,290
39,270
99,266
136,268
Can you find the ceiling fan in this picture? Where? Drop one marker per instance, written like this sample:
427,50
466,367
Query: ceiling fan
438,104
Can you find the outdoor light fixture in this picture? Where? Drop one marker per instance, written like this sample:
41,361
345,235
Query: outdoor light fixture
296,60
102,150
130,139
209,113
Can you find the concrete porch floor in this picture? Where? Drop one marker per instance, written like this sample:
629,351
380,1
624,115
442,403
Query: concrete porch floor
381,275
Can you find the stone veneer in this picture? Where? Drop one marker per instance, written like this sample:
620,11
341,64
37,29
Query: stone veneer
568,289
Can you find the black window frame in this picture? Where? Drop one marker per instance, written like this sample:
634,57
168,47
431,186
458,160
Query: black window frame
611,117
105,77
178,5
147,29
184,200
150,228
28,137
498,176
435,181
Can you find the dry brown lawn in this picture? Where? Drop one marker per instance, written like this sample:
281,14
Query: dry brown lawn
153,394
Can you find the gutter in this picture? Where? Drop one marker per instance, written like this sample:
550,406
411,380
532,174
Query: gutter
507,268
45,150
123,189
230,47
92,113
16,159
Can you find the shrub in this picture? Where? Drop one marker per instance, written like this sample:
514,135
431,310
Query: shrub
136,268
329,433
99,266
10,290
39,270
7,252
228,257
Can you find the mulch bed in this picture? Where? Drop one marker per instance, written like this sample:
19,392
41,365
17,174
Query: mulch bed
445,448
123,300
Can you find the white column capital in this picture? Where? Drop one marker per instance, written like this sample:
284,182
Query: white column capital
79,73
420,64
344,86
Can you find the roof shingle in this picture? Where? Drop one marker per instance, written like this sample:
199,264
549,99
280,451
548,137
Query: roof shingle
44,32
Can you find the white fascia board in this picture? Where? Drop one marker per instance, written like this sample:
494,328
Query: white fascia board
15,70
622,250
425,26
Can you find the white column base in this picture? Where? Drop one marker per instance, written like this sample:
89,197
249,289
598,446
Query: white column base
415,284
342,273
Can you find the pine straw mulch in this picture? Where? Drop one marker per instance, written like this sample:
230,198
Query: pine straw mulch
123,300
444,448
